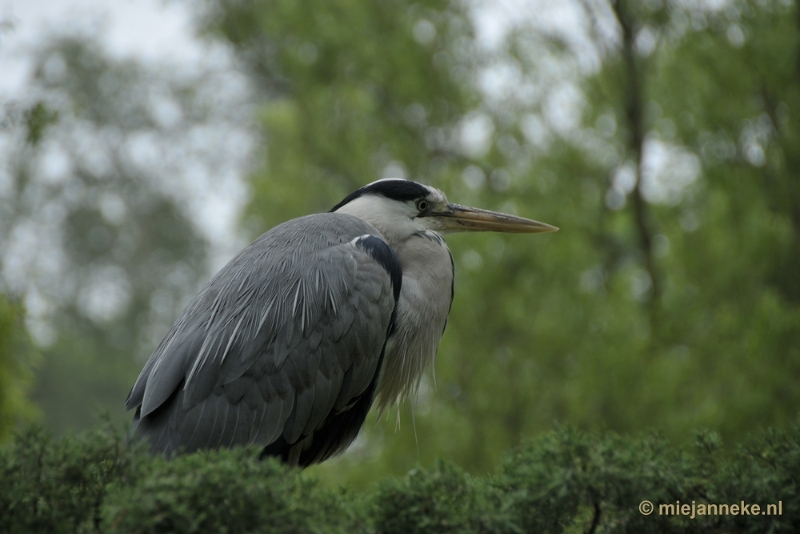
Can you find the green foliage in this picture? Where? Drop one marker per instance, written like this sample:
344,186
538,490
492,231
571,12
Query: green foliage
441,499
580,476
348,91
229,491
564,481
38,118
58,485
17,358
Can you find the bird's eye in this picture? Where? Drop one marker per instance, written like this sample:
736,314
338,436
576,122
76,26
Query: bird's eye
422,204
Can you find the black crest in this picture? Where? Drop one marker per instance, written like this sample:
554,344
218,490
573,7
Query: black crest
395,189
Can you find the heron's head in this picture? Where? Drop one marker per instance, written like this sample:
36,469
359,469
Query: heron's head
399,208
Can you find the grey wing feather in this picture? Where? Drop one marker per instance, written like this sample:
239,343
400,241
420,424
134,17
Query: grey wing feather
288,334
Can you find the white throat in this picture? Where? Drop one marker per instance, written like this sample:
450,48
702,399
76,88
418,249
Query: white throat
394,220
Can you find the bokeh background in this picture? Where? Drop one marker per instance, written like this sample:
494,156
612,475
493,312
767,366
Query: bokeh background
143,144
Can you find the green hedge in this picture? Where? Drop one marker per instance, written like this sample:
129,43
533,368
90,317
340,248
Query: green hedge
564,481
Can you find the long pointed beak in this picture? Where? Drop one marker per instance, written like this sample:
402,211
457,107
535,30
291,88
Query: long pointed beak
465,219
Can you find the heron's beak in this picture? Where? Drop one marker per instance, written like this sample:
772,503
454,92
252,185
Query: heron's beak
457,218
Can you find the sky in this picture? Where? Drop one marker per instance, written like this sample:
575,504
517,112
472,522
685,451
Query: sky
156,33
162,31
150,30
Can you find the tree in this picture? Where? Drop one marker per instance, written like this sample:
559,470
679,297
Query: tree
663,303
354,91
103,161
563,481
661,143
17,357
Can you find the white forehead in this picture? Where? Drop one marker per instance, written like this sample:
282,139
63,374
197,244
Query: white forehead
436,195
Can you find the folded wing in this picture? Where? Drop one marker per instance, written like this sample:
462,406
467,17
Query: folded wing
282,348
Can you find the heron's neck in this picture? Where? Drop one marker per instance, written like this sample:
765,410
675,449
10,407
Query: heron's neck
420,318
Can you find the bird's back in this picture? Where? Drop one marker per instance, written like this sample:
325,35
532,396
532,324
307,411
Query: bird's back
282,348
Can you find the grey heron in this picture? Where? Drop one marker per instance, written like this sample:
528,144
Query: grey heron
289,345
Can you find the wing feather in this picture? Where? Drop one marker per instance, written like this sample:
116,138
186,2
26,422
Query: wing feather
285,339
324,393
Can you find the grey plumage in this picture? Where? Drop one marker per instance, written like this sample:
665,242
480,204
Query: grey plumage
290,343
251,344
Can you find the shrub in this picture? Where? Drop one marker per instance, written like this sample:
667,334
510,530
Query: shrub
564,481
